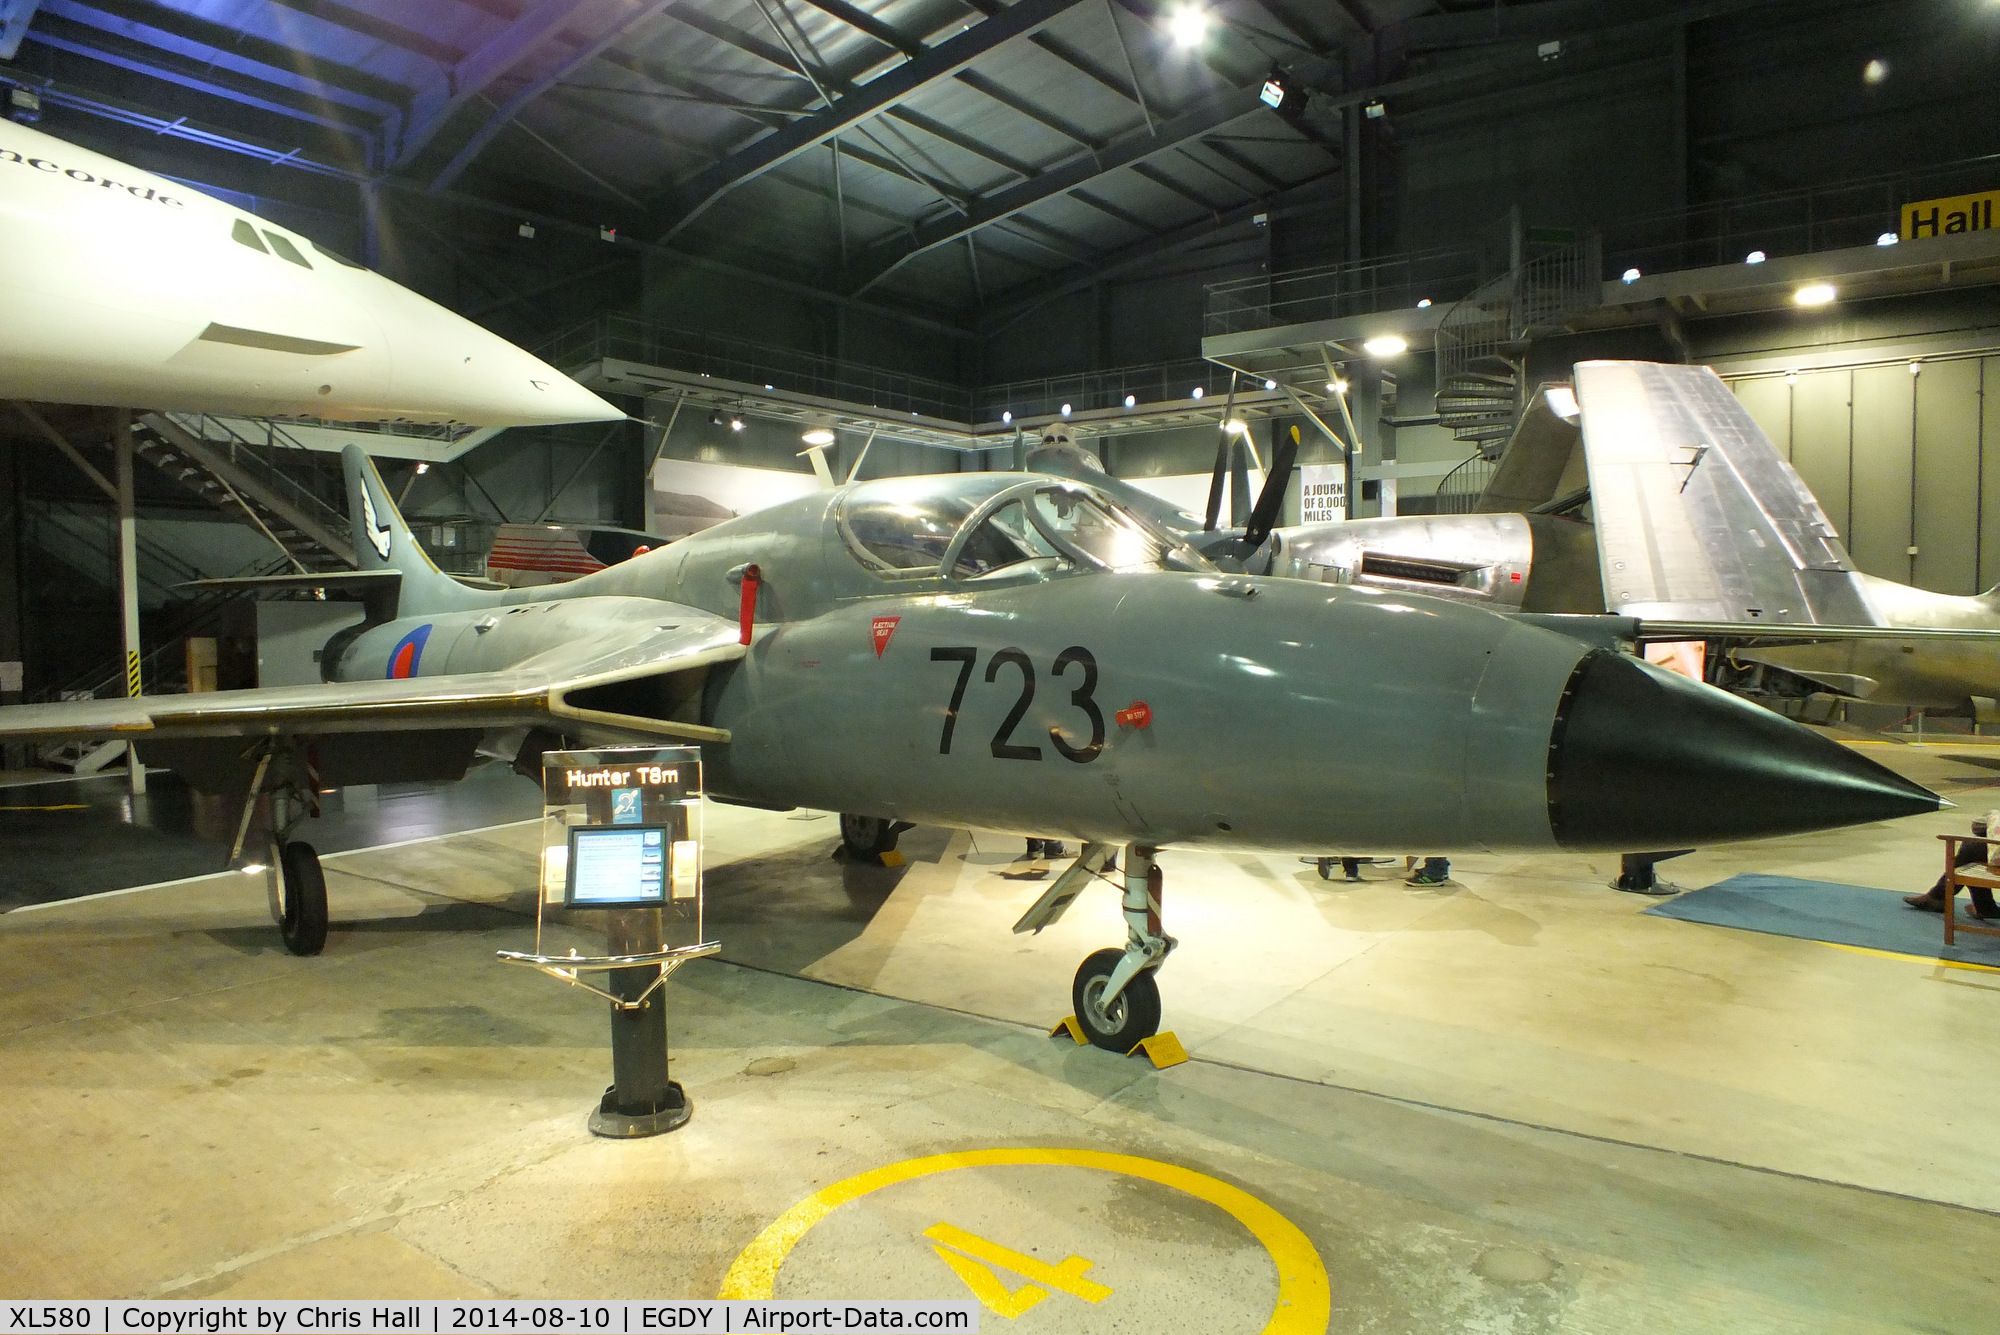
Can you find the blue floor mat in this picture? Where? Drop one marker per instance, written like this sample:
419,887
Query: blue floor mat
1849,915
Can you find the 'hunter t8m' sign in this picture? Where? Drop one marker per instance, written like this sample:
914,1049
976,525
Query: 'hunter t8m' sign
1943,217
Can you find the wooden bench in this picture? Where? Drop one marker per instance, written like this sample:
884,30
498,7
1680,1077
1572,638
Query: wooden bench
1958,878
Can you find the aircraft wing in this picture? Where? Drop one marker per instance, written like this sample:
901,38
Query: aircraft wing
558,688
1698,517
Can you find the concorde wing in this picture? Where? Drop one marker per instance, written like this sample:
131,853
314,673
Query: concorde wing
1698,517
580,687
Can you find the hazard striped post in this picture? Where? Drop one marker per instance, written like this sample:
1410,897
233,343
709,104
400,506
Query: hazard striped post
128,576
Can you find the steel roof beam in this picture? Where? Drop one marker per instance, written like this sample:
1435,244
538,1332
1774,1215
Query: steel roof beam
534,88
877,95
1132,150
449,90
15,15
382,30
171,32
862,21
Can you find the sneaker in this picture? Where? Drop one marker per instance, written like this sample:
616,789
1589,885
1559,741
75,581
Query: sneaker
1424,878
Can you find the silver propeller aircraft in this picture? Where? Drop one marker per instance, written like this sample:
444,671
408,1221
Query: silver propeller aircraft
1015,652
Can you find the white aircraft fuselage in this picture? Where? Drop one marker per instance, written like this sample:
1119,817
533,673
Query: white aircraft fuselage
123,288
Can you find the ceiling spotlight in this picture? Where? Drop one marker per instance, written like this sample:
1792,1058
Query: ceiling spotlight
1386,345
607,233
1131,400
1188,26
1336,386
1423,303
1375,111
527,230
423,468
735,424
1875,71
1065,410
1273,93
715,419
1270,384
1887,239
819,435
1236,426
1916,368
1197,392
1006,417
1815,294
1629,276
1754,257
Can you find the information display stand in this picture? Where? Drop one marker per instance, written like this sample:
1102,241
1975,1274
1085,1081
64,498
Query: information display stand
621,839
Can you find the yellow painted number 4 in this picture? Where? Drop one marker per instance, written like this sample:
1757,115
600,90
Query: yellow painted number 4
974,1260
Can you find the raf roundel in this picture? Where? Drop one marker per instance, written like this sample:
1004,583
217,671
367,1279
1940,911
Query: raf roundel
409,651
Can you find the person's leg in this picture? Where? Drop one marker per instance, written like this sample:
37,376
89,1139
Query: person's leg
1933,898
1350,868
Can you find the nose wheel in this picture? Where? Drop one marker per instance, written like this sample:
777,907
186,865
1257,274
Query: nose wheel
1119,1024
1115,996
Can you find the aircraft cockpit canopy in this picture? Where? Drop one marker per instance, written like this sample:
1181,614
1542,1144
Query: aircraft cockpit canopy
999,527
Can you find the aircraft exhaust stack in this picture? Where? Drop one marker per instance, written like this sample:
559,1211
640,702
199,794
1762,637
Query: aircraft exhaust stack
1641,757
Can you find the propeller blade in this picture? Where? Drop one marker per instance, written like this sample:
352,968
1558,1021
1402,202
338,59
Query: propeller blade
1265,517
1221,461
1239,482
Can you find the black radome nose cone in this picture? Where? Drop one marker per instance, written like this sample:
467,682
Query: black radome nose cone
1643,758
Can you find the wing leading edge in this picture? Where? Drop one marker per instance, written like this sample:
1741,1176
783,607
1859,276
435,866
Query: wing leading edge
561,688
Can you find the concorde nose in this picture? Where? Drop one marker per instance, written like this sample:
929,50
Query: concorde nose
1640,758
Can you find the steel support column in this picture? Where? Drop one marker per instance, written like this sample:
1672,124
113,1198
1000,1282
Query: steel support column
128,576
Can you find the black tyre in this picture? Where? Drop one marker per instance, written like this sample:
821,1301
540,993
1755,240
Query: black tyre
1133,1014
867,838
304,923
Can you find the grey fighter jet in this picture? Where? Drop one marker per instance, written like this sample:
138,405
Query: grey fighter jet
1018,652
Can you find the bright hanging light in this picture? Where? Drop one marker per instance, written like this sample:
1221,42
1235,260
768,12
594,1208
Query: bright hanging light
1065,410
1887,239
735,424
1270,384
1131,400
1336,386
1386,345
1005,418
1236,426
1423,303
1197,391
1875,71
1815,294
1754,257
1188,26
423,468
819,435
1629,276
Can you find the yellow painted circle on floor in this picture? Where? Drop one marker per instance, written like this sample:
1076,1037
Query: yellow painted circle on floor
1305,1300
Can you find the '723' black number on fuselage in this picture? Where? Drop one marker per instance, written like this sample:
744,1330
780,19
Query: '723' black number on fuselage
1004,746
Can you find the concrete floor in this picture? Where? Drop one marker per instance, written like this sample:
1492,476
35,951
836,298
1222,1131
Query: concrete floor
1511,1105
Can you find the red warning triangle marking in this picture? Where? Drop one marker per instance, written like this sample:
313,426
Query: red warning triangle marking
885,630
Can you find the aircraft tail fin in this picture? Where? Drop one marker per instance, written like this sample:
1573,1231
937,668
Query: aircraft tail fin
382,541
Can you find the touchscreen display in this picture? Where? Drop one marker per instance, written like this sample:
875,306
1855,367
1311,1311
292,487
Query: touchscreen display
617,866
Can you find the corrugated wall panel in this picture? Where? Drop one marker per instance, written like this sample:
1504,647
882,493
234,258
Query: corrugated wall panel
1988,571
1822,433
1768,400
1880,541
1947,477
